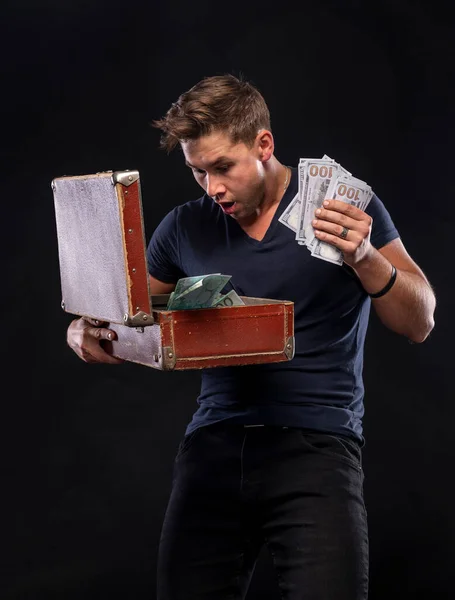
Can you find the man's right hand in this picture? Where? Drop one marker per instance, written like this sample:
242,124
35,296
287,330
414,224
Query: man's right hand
85,337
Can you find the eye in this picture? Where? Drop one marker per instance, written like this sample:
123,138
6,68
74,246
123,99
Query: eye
223,168
198,171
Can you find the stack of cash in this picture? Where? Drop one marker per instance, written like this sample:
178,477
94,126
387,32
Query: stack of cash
202,291
321,179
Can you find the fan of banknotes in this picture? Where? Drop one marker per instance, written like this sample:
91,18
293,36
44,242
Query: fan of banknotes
320,179
202,291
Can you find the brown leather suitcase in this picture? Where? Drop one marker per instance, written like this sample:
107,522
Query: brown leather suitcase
103,273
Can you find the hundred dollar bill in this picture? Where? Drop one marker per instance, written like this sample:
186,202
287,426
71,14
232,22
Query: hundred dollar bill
316,176
311,240
327,252
342,169
350,190
290,216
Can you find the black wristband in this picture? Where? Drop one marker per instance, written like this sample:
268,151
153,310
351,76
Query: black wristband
388,286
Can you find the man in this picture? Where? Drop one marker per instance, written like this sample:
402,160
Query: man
273,453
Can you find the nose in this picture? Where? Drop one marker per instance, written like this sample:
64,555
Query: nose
214,186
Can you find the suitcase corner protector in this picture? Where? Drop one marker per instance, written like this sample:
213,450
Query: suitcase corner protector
289,348
169,358
125,178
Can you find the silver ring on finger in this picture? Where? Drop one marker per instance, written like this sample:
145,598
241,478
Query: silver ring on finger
344,233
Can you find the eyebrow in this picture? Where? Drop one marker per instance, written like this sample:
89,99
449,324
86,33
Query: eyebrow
216,162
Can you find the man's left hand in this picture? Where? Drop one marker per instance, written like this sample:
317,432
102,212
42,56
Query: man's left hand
345,227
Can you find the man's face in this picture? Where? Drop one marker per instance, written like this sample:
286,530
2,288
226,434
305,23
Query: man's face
232,174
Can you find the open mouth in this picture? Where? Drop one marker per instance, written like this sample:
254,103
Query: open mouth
228,207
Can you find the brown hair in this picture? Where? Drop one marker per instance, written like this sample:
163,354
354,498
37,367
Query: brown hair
223,103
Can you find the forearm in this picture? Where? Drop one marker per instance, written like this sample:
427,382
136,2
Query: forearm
408,307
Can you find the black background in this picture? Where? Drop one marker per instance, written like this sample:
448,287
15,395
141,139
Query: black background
88,450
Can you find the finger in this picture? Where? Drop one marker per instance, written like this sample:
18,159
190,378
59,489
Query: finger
86,341
324,214
346,209
98,346
346,246
93,348
337,230
95,322
342,220
101,333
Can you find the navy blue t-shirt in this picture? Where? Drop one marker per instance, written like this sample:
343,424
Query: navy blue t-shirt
321,388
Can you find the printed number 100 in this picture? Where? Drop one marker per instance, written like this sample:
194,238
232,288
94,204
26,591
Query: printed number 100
350,192
322,171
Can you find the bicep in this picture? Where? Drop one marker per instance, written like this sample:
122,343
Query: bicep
159,287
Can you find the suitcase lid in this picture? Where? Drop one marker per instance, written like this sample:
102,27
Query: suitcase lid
101,247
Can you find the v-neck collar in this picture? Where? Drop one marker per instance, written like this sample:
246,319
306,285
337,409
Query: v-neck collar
290,192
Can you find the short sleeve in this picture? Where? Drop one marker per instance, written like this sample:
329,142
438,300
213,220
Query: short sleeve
163,256
383,229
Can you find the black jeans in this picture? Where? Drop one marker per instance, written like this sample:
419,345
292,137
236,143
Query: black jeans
236,488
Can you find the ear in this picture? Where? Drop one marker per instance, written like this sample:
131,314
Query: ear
265,145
